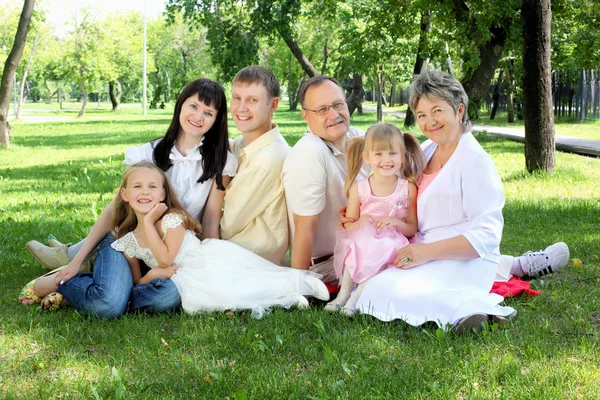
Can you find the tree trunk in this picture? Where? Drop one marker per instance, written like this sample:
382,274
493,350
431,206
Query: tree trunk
380,96
496,96
510,105
83,101
421,61
448,64
114,92
477,81
10,66
357,93
325,58
392,92
536,17
297,52
21,100
297,92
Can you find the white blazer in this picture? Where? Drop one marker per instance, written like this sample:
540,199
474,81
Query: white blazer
465,198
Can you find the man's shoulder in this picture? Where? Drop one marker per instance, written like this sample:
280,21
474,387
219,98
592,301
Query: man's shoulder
355,132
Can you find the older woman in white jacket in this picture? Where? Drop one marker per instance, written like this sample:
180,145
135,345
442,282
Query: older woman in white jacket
446,273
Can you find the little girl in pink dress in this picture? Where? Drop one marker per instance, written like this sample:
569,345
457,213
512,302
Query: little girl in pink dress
383,207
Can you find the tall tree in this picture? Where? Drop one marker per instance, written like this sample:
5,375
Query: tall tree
10,67
536,18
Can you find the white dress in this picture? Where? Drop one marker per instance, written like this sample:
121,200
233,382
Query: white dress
219,275
465,198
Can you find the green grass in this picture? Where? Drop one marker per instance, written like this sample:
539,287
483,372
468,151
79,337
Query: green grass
56,178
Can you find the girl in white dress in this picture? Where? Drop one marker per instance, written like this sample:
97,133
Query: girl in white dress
210,274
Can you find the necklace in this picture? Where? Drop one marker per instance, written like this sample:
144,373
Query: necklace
440,164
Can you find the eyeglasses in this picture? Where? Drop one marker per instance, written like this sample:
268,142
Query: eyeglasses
321,111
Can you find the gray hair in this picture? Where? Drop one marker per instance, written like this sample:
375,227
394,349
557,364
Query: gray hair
317,80
438,84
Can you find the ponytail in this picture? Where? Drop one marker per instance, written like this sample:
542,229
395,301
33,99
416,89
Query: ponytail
354,162
414,163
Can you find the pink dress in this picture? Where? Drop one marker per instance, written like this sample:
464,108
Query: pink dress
364,249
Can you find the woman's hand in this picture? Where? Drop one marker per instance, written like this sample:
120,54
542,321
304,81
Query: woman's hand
67,273
156,213
412,255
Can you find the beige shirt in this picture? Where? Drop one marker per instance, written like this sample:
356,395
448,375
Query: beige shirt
255,212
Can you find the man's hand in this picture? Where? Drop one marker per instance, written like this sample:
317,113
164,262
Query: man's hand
343,219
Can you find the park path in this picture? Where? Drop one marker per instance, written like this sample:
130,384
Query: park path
563,143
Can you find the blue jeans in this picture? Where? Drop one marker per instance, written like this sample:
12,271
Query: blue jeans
106,291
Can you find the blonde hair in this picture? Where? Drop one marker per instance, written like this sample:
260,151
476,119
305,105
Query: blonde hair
385,136
124,219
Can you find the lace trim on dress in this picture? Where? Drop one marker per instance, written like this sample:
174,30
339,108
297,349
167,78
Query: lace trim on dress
126,244
170,221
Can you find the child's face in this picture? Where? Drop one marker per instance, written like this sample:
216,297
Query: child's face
196,118
384,162
144,189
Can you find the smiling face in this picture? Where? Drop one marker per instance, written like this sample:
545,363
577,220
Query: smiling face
384,163
196,118
334,125
144,189
252,108
438,120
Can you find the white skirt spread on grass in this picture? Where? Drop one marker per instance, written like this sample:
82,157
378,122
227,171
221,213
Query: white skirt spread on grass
439,291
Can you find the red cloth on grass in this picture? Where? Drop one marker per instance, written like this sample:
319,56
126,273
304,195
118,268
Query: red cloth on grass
513,287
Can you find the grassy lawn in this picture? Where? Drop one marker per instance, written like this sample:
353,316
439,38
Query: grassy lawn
56,178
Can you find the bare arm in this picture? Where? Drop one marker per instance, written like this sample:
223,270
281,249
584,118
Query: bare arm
100,229
164,252
213,210
353,208
304,234
134,265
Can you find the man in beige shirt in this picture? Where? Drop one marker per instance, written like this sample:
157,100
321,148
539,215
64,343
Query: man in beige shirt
255,213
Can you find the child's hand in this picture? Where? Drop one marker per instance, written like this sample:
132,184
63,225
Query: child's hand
365,218
386,222
160,272
156,213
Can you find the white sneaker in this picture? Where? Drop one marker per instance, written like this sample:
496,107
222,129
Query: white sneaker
536,264
319,289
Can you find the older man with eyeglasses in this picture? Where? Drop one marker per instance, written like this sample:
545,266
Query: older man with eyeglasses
314,173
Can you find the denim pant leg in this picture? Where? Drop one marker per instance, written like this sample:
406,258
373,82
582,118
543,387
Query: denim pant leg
160,295
105,291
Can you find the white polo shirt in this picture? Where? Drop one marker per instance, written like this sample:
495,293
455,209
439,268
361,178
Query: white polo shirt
313,176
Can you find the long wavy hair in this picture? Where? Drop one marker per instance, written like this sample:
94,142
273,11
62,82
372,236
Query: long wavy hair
385,137
124,219
216,140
